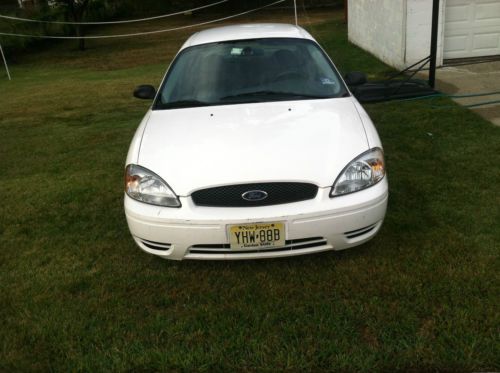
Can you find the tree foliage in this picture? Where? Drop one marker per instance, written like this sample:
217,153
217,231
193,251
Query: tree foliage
106,10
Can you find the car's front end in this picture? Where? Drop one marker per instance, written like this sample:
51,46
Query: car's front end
319,224
258,174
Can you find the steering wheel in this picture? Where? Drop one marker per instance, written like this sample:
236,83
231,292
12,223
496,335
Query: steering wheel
290,74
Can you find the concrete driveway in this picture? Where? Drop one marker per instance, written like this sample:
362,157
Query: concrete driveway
470,79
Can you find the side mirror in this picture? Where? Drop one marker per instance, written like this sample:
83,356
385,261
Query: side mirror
145,92
355,78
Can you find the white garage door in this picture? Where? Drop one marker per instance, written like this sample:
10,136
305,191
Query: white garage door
472,28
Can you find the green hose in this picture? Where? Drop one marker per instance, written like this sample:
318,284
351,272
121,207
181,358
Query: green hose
484,103
441,95
475,94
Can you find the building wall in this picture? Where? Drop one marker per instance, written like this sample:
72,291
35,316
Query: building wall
378,26
418,31
396,31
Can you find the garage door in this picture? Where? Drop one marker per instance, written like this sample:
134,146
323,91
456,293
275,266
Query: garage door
472,28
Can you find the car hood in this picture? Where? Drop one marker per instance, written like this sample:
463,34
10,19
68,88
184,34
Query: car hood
303,141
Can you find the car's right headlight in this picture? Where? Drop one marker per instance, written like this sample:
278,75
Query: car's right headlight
363,172
144,185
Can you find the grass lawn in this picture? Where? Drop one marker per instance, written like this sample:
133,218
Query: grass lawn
77,294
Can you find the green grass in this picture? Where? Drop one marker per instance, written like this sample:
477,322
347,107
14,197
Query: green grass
77,294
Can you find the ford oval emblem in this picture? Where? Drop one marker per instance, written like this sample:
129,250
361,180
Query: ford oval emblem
254,195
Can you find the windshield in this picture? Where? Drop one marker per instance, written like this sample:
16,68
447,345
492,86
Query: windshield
246,71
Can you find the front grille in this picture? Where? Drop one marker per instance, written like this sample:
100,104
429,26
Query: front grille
277,193
303,243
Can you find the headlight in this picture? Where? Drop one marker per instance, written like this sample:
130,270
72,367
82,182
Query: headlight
363,172
145,186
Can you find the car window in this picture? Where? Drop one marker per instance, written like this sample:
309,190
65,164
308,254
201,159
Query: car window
249,71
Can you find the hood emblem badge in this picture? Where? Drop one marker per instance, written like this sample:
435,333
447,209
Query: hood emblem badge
254,195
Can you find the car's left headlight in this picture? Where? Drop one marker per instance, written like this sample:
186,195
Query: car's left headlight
361,173
144,185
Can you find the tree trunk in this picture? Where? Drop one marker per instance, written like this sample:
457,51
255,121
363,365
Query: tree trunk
77,10
79,34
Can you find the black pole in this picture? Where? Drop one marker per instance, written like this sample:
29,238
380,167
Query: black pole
434,40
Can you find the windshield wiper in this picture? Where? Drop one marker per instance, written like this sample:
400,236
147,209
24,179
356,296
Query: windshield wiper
257,96
272,94
183,104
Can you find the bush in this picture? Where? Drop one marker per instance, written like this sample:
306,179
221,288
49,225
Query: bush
15,44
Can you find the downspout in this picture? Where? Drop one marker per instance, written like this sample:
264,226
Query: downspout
434,40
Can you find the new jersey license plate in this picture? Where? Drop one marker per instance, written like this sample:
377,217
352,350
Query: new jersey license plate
256,236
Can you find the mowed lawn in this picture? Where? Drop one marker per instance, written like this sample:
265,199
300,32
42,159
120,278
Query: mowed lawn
76,294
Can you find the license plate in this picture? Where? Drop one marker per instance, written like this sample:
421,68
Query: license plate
256,236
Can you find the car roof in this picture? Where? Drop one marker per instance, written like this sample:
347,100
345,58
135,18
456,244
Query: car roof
247,31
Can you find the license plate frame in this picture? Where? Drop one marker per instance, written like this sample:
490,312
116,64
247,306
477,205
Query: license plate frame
266,235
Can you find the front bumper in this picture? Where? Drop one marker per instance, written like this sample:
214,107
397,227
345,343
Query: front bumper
320,224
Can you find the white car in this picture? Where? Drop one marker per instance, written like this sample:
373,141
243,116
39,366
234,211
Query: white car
253,148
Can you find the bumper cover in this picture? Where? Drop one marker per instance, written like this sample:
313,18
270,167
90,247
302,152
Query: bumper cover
320,224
